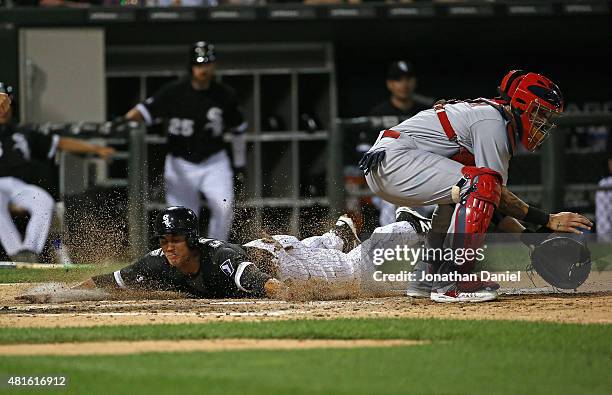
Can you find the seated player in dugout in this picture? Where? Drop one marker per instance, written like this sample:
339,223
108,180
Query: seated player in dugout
19,147
187,263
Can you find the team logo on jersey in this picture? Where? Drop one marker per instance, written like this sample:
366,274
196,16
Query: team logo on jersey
214,243
166,220
227,268
21,144
215,121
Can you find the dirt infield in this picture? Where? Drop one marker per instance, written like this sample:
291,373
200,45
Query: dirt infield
570,308
137,347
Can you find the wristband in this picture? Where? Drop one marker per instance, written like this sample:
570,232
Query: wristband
536,216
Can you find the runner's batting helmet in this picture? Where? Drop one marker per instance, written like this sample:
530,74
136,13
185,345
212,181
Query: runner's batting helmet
562,260
177,220
202,52
535,103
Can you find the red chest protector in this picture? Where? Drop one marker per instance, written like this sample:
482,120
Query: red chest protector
464,156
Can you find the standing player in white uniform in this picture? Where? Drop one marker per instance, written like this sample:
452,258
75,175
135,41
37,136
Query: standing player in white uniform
18,148
456,156
199,110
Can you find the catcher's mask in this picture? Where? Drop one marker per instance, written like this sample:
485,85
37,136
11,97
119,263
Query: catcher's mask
563,261
178,220
508,85
536,102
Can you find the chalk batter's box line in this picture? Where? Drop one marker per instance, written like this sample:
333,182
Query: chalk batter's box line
26,265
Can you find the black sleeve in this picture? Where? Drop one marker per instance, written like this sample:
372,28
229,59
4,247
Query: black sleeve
253,280
233,262
159,105
150,272
42,146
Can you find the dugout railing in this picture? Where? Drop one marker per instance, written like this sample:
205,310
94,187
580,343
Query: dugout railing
78,173
341,164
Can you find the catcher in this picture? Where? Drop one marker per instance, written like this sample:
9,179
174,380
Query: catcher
456,155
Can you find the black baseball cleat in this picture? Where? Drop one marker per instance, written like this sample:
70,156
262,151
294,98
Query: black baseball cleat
420,223
345,229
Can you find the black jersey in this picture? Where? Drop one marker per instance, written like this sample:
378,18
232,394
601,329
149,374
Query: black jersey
19,147
196,119
392,115
225,272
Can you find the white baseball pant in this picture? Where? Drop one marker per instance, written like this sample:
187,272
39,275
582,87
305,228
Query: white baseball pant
37,202
214,178
321,257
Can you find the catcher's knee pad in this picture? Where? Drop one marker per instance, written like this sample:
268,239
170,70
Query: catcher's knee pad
475,207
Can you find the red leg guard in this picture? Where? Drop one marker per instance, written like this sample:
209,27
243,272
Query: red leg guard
475,209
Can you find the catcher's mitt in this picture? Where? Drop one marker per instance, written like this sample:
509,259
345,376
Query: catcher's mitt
561,260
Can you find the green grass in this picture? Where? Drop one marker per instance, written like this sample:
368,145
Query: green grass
429,369
464,357
586,337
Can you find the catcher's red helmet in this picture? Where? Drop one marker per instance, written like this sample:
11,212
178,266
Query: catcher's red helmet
536,102
509,83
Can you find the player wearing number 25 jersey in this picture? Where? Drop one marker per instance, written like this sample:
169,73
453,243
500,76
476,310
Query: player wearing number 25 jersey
196,119
198,111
